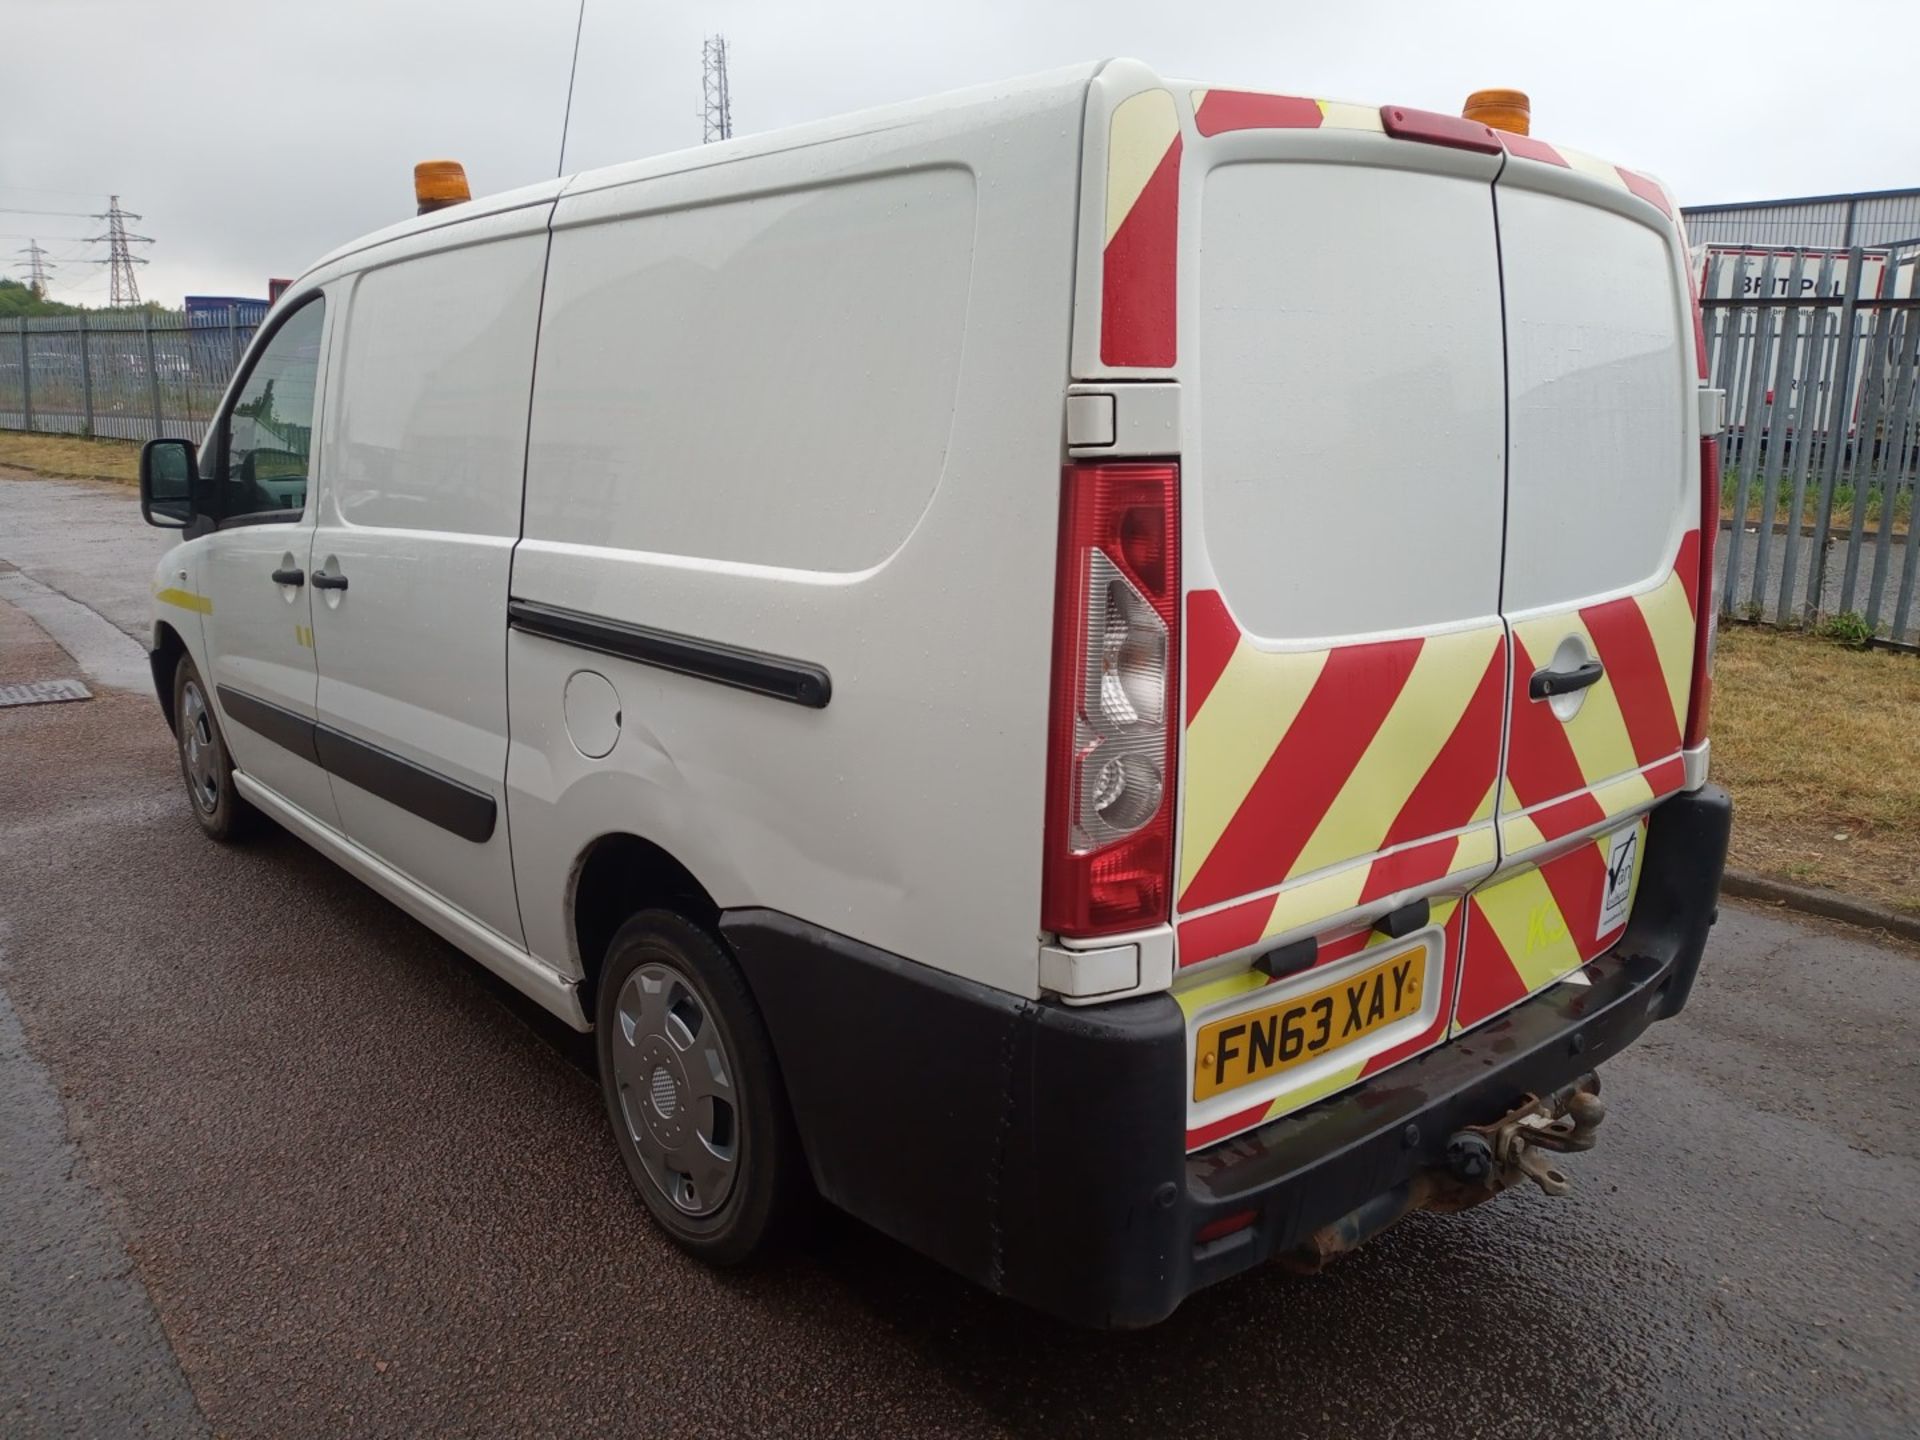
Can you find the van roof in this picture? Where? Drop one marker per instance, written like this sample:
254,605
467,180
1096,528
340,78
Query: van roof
1063,84
1066,84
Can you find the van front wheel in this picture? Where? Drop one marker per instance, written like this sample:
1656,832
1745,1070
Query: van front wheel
205,763
693,1092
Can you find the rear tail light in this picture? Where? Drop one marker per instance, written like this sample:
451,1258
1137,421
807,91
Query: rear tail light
1111,741
1706,623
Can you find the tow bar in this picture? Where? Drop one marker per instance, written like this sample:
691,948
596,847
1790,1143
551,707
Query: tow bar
1481,1161
1514,1146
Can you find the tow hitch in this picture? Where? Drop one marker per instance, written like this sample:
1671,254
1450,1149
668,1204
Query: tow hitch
1495,1156
1481,1161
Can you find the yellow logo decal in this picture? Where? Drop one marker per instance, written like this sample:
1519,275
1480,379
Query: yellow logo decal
1544,927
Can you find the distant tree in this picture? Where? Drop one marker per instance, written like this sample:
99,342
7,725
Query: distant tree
17,299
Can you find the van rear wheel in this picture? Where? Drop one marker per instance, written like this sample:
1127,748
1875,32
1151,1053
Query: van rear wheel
693,1091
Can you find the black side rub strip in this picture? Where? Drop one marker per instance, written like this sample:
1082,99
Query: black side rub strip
467,812
284,728
458,808
795,681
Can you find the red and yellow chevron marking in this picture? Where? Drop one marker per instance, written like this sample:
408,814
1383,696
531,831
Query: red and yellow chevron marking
1252,922
1450,915
1526,147
1536,927
1140,258
1217,111
1304,764
1621,750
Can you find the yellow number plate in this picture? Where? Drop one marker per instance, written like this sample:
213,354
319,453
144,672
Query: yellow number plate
1244,1048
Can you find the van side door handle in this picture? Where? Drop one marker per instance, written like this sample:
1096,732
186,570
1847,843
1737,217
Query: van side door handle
295,576
324,581
1544,685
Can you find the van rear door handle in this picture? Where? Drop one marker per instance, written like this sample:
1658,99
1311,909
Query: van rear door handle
324,581
295,576
1545,683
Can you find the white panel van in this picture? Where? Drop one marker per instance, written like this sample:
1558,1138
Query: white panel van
1110,675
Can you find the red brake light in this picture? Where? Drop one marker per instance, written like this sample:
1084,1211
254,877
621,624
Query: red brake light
1112,741
1429,127
1706,607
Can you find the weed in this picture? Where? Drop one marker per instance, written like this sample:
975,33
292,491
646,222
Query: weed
1848,628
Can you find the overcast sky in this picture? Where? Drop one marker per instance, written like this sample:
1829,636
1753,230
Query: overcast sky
253,135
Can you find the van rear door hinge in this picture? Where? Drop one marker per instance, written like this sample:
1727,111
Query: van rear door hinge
1713,411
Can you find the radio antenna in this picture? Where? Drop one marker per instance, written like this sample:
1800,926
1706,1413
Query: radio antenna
567,119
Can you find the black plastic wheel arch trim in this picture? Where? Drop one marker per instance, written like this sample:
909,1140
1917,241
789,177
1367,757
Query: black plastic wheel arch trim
460,809
799,682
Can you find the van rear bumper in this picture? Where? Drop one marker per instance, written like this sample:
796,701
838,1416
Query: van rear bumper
1038,1149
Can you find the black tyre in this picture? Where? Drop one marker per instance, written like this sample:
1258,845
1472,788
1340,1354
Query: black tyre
205,763
693,1091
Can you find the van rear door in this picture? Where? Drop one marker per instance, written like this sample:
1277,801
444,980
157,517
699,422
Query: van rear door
1601,562
1342,473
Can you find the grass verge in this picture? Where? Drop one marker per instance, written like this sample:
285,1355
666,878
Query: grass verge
1815,742
71,455
1845,495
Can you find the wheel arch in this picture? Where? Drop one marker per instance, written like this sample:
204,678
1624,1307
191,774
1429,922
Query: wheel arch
164,656
616,877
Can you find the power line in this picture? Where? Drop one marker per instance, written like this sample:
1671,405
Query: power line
120,258
44,190
718,113
69,214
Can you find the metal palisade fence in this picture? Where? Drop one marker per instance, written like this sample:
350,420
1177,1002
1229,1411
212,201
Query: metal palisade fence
123,374
1818,352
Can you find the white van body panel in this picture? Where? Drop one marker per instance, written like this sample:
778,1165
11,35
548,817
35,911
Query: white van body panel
923,261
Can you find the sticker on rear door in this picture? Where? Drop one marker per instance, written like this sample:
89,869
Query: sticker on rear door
1616,891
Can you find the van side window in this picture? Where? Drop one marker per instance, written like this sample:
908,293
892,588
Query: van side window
267,437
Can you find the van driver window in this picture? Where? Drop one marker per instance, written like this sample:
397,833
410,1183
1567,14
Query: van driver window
269,431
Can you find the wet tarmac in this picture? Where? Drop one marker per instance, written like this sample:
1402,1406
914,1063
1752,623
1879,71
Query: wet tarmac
369,1193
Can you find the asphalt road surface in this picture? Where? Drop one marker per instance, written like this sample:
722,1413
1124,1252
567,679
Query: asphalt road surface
278,1162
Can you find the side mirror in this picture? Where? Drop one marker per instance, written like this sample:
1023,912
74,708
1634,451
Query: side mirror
167,468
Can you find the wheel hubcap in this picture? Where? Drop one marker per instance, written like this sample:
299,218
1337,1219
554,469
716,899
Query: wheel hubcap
199,750
676,1087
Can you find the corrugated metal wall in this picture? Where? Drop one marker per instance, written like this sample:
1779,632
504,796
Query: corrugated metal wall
1888,217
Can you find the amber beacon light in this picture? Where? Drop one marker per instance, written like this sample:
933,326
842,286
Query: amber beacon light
438,184
1507,110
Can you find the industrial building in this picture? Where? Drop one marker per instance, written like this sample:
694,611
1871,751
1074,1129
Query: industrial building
1872,218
